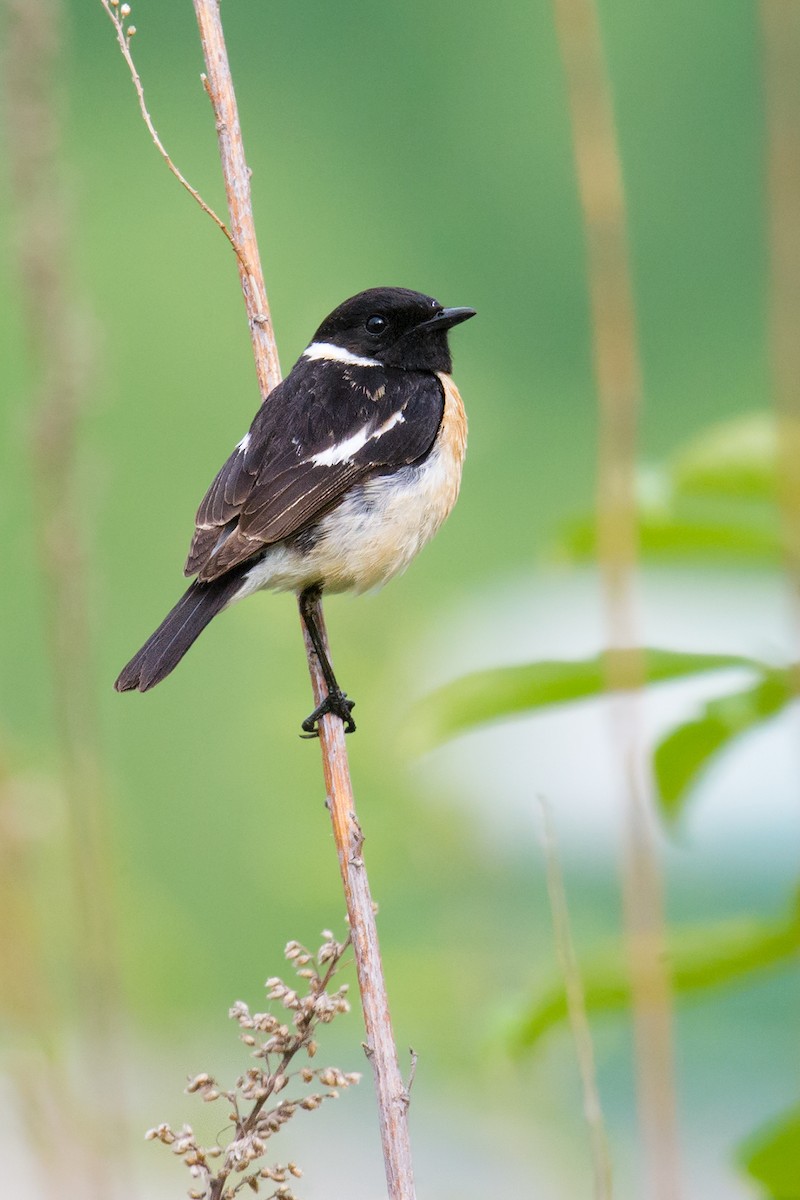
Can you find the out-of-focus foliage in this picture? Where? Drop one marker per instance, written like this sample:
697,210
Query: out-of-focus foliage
714,499
772,1157
514,691
680,758
700,957
732,469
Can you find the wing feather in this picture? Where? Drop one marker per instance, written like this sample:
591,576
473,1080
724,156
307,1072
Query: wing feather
323,430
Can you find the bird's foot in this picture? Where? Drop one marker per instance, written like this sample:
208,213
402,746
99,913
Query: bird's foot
335,702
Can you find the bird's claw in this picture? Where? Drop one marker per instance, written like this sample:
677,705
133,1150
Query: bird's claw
336,703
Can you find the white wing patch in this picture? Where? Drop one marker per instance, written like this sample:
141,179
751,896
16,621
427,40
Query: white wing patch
332,353
243,444
344,451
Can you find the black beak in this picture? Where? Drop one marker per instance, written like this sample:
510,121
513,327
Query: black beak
447,318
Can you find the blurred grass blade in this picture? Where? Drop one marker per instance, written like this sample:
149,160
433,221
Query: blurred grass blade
513,691
681,758
701,957
772,1156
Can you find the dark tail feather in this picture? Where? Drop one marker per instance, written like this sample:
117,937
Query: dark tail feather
162,652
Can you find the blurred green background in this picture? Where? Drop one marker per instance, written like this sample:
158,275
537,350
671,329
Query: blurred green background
423,145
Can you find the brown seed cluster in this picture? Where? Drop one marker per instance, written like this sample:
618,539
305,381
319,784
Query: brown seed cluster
255,1114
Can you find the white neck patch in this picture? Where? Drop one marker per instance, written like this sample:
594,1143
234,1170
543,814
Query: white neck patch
327,350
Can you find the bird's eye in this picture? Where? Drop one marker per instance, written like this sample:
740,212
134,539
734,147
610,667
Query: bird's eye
376,324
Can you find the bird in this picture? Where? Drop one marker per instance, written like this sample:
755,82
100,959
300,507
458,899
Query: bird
349,468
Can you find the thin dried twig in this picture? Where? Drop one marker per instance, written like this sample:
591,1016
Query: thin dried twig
619,389
576,1007
391,1094
118,14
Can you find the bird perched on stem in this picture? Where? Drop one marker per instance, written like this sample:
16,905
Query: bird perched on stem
349,467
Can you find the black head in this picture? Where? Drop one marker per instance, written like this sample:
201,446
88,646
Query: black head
395,326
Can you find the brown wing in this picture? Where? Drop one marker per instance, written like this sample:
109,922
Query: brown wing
325,428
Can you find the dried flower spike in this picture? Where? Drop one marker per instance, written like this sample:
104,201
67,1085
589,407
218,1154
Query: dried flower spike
255,1113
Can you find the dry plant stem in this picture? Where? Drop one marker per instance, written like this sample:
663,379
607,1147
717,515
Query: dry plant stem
57,329
576,1007
27,1006
380,1046
780,20
619,390
219,85
391,1095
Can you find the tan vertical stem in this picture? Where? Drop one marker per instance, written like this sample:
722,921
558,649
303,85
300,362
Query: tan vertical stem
219,85
780,21
391,1095
619,390
380,1046
56,327
576,1008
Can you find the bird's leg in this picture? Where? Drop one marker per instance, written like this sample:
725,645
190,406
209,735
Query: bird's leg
336,701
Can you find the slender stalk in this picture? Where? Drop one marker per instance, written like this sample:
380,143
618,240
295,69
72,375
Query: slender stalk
381,1050
576,1007
619,390
780,21
219,85
380,1046
57,330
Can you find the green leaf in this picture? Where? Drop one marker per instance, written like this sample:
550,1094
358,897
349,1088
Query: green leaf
772,1156
714,500
679,534
736,458
682,757
513,691
700,957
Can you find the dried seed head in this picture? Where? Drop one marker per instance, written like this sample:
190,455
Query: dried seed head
162,1133
199,1081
